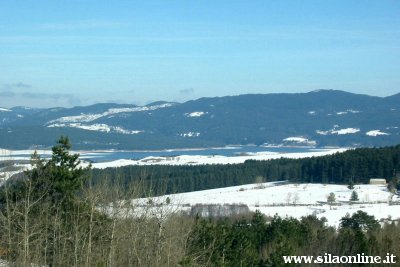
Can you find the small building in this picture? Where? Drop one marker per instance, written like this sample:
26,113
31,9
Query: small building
379,181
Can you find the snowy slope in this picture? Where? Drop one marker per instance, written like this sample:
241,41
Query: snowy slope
109,112
294,200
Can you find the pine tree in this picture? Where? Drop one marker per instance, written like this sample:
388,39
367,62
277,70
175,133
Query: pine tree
67,175
46,203
331,198
359,221
351,184
354,196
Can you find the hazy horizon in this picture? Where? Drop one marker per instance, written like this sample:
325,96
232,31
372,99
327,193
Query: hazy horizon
161,100
70,53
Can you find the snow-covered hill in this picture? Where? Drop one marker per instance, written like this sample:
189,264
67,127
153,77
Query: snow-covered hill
293,200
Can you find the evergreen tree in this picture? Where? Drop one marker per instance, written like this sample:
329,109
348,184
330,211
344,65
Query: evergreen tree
331,198
354,196
351,184
394,183
48,195
359,221
65,173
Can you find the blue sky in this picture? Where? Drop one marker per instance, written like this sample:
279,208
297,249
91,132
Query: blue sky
67,53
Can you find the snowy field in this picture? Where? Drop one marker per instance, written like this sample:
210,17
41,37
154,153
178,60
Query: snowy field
292,200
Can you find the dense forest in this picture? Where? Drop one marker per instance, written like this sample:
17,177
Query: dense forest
353,166
49,217
260,241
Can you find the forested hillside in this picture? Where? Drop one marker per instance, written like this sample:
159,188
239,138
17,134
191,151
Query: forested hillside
357,166
318,118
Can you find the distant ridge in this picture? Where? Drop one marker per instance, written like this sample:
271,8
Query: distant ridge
318,118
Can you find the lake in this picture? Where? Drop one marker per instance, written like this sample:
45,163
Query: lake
103,156
225,151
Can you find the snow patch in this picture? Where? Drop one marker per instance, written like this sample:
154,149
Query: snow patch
121,130
4,110
376,133
111,111
347,111
78,118
336,130
322,132
346,131
190,134
100,127
93,127
195,114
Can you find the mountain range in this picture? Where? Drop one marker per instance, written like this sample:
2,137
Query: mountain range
319,118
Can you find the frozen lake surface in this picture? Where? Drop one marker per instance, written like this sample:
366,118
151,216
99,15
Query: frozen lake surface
105,156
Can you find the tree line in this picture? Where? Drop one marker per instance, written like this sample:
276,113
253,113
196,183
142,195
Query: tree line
353,166
261,241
